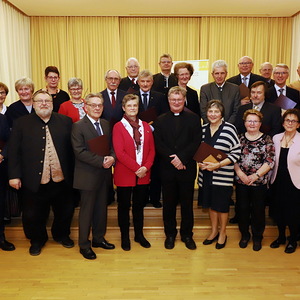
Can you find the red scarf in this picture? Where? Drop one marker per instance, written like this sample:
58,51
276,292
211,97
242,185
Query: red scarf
135,126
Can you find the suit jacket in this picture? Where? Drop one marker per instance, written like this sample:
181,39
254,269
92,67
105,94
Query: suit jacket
156,100
126,85
253,78
180,135
192,101
230,97
111,114
26,148
290,93
4,136
271,123
88,165
126,165
271,83
159,83
293,162
15,111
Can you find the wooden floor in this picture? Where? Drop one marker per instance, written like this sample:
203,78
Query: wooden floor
155,273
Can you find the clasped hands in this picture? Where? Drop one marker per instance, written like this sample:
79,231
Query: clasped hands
108,162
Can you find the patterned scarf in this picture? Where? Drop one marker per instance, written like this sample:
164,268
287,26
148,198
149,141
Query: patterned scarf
135,126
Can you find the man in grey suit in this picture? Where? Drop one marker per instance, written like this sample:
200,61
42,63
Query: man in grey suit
92,176
227,92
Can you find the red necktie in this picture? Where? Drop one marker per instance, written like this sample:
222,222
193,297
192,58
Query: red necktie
113,99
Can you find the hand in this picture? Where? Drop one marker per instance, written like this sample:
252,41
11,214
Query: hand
1,158
252,178
176,162
141,172
210,166
245,100
245,179
15,183
108,162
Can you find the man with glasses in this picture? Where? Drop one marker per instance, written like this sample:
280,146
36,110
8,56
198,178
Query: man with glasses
245,76
177,136
52,80
164,80
41,165
92,176
266,70
129,83
281,74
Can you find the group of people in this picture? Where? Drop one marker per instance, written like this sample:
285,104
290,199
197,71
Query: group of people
148,128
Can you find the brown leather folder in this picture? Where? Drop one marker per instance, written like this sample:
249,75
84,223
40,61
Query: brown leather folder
207,153
285,102
148,115
244,91
99,145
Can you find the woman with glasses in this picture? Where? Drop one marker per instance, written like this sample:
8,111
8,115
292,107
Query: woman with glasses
256,160
74,108
286,181
3,93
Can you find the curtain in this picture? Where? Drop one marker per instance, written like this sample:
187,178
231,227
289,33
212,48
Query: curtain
295,60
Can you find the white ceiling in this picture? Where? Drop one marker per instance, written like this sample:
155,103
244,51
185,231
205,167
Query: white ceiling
159,8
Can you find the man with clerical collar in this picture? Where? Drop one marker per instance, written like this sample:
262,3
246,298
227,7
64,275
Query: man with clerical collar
41,165
177,136
92,176
129,83
266,70
226,92
164,80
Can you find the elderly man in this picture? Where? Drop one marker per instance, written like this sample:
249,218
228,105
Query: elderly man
164,80
281,74
177,136
227,92
41,165
271,123
265,71
245,76
129,83
113,96
92,176
296,84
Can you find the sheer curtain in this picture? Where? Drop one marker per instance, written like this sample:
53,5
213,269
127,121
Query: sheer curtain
295,60
14,48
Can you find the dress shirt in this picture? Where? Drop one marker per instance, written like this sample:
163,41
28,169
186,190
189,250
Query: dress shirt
247,79
277,88
258,106
93,122
109,94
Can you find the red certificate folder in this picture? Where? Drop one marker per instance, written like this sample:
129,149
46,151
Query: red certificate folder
285,102
148,115
207,153
99,145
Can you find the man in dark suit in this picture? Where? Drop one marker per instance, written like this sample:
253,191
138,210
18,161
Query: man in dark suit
92,176
226,92
266,70
129,83
164,80
177,136
112,96
271,123
41,164
281,74
245,66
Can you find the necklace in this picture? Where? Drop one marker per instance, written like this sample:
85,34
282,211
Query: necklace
288,141
251,137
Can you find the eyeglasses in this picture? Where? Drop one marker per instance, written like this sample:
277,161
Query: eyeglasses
3,93
280,73
75,89
288,121
252,122
132,67
47,101
113,78
53,77
245,63
176,100
93,105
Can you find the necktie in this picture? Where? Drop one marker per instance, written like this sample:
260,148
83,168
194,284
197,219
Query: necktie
133,81
113,99
245,81
281,91
98,128
220,92
145,101
256,107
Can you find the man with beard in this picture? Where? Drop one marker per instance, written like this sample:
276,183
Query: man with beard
41,165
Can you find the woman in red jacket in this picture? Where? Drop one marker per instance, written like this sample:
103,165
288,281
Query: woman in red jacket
134,147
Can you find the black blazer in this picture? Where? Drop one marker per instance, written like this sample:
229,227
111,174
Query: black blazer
253,78
290,93
180,135
192,101
110,114
271,123
126,85
15,111
159,83
26,148
4,136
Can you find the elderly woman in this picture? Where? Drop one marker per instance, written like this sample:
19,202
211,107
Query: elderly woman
74,108
252,169
4,135
134,146
216,178
184,71
286,181
3,93
24,87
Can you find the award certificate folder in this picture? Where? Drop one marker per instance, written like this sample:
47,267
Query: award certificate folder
285,102
207,153
148,115
99,145
244,91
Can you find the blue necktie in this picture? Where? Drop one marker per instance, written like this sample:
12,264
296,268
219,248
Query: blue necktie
98,128
145,101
